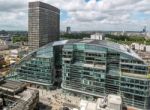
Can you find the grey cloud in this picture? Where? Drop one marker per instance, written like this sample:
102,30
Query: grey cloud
9,6
83,15
13,14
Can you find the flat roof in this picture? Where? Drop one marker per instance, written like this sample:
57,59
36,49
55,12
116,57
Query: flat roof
11,85
43,5
22,99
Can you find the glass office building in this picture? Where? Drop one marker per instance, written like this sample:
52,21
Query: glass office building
40,67
36,68
99,68
90,67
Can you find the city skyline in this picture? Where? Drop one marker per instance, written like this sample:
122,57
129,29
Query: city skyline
82,15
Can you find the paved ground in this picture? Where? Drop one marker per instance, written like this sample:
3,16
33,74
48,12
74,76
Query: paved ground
56,98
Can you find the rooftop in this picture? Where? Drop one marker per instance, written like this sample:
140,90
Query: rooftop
104,43
16,95
12,86
43,5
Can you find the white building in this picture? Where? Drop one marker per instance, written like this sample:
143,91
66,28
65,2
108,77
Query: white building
140,47
14,53
147,35
3,45
97,36
148,48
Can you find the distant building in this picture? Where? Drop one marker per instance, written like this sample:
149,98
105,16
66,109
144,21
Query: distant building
147,36
68,30
5,37
3,45
97,36
143,51
144,29
129,33
140,47
137,46
43,24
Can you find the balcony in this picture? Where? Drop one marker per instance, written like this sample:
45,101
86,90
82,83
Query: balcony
134,75
95,66
67,59
98,66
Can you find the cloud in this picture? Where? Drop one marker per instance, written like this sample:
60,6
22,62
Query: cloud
83,15
13,15
9,6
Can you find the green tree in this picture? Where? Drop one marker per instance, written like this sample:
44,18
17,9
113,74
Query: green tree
20,39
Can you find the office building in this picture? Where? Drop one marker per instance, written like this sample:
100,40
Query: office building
43,24
98,68
40,68
90,67
16,96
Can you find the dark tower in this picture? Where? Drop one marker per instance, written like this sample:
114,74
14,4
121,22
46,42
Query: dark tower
44,24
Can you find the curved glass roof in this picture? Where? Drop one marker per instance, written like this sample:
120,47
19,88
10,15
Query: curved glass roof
104,43
108,44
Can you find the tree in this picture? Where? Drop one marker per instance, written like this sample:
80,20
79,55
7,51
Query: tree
20,39
75,36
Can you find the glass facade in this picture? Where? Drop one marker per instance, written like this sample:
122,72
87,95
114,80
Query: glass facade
36,68
98,70
95,68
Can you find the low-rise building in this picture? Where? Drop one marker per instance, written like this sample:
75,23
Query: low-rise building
5,37
140,47
16,96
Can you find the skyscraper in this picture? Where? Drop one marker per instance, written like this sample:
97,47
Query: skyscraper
43,24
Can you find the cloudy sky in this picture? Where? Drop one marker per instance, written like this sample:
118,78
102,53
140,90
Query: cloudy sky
82,15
